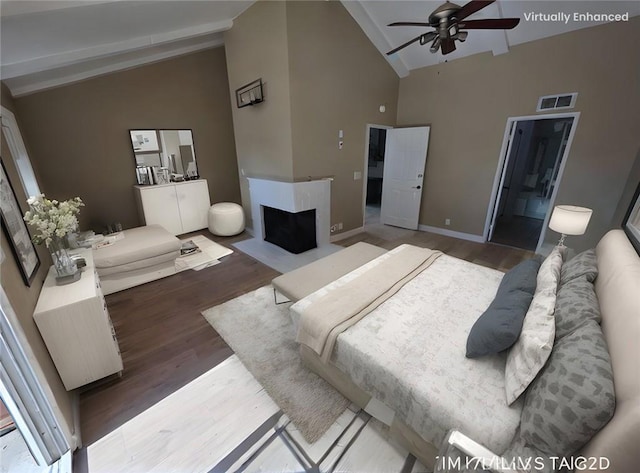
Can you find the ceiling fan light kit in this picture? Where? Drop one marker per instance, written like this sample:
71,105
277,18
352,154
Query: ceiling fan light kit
447,20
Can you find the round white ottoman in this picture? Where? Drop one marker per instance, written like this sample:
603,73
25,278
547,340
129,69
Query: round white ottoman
226,219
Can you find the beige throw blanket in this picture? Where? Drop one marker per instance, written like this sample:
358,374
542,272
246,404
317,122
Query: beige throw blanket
326,318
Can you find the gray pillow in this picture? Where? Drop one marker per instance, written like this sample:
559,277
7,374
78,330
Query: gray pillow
499,326
584,264
521,277
573,396
575,304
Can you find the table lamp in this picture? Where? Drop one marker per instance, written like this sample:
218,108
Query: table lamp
569,220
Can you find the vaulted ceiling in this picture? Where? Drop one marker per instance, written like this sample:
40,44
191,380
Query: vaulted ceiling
48,42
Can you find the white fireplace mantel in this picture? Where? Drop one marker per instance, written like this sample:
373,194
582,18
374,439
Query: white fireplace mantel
292,197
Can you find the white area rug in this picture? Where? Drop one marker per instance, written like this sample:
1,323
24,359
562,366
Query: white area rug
209,254
262,336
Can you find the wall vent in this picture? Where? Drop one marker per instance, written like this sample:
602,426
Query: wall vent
556,102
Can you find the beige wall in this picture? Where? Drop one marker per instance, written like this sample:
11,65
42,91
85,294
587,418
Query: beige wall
256,47
23,298
321,75
80,141
338,82
467,102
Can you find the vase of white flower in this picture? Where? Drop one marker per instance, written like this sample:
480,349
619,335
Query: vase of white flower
65,266
52,221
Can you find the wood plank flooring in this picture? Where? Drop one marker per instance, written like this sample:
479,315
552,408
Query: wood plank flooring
166,343
164,340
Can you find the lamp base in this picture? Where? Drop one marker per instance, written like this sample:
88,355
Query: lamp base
561,242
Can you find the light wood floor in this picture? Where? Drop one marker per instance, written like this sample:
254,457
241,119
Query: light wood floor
166,343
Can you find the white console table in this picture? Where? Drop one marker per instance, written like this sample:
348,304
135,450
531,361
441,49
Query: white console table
180,207
75,326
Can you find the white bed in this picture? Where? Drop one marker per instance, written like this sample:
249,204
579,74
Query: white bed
409,355
429,320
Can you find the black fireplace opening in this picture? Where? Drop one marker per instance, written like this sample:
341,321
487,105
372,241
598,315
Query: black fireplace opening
295,232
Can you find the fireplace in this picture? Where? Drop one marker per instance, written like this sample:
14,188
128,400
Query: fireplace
295,232
297,198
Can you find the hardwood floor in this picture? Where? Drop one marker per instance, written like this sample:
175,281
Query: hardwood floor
166,343
164,340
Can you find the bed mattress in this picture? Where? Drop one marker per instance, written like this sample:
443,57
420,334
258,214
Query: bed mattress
409,353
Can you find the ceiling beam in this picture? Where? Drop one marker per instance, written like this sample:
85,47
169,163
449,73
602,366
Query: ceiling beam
68,58
375,35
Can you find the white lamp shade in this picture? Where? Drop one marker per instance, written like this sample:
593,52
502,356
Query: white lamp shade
569,219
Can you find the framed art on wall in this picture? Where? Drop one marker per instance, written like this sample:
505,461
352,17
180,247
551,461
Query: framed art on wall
16,231
631,222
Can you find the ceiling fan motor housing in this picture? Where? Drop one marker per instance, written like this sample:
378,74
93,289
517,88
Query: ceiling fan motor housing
443,12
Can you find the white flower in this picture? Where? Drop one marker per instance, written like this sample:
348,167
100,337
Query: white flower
50,218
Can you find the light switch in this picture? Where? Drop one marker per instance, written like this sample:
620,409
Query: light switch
340,134
357,175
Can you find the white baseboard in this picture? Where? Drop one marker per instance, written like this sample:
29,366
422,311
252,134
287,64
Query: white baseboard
347,234
451,233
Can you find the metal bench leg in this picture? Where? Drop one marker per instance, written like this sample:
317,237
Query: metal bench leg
275,298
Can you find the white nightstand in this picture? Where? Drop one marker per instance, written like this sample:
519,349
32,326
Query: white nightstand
75,325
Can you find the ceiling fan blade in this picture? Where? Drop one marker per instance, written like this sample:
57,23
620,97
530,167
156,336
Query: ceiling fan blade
404,45
447,45
490,24
472,7
408,23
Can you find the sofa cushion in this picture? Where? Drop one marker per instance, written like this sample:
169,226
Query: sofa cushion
529,354
138,244
573,398
576,303
584,264
499,326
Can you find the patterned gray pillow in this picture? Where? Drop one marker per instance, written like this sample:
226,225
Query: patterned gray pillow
573,397
584,264
575,304
522,455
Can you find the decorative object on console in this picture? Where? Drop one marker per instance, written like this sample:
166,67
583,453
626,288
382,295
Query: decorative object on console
17,232
53,221
250,94
569,220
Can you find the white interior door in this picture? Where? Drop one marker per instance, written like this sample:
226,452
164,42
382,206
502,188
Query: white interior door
404,160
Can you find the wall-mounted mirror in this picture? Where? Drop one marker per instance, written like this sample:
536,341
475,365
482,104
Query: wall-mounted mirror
164,155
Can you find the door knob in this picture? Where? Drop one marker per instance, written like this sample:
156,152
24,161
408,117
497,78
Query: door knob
417,187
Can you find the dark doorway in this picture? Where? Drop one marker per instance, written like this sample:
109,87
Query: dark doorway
375,171
529,177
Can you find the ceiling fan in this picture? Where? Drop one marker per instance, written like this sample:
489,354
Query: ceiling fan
449,21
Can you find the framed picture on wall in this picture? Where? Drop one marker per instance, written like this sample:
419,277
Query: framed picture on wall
631,222
16,230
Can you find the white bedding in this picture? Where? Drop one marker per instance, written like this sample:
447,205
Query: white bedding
409,353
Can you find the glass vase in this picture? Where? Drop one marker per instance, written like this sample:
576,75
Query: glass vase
65,266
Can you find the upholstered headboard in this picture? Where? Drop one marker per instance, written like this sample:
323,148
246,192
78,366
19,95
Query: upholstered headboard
618,290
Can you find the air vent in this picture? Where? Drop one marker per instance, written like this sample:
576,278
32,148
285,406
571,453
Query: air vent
555,102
